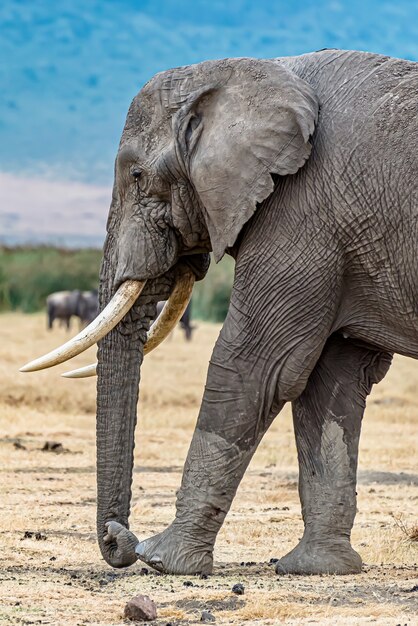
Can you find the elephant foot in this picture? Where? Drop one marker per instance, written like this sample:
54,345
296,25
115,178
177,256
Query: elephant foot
336,557
174,551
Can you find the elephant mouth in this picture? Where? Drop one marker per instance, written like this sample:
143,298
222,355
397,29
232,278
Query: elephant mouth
122,301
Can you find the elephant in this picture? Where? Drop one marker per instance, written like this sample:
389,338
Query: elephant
184,320
88,306
304,170
63,305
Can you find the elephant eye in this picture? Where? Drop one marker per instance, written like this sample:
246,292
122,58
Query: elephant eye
136,174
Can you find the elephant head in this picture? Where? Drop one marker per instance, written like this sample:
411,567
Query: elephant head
196,156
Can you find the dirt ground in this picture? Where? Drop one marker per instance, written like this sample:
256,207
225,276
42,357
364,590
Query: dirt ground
52,571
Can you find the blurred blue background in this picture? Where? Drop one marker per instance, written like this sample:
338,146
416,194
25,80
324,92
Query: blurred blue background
69,69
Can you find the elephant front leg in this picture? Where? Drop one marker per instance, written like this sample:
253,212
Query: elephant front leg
229,428
327,420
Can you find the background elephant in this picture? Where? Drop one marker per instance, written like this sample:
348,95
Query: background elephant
88,306
304,170
63,305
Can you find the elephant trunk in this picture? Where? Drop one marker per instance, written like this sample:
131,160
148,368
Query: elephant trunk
119,358
120,354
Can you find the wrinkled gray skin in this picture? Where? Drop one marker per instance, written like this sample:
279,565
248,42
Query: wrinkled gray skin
305,170
63,305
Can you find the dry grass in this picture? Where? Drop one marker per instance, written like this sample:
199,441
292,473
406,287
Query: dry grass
62,579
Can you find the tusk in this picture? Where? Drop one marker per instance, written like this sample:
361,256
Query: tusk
166,321
171,313
111,315
82,372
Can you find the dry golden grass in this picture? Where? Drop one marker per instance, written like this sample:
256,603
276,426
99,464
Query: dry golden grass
62,579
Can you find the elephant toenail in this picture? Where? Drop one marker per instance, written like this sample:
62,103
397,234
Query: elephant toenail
280,569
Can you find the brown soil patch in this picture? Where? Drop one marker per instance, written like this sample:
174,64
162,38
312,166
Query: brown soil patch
52,572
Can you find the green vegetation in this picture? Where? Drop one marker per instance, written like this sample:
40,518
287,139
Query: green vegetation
211,295
28,275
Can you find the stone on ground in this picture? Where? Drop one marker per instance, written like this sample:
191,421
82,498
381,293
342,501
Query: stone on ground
140,609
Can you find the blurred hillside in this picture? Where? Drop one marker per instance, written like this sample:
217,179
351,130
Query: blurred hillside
59,213
28,275
68,70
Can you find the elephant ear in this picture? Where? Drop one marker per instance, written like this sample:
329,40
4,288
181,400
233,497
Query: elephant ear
250,119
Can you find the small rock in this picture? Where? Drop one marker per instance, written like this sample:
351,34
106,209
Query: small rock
140,608
273,561
144,571
188,583
203,576
31,535
19,446
52,446
27,535
40,537
238,589
207,617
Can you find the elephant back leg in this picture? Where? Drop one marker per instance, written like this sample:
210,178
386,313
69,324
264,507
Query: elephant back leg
51,316
327,420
